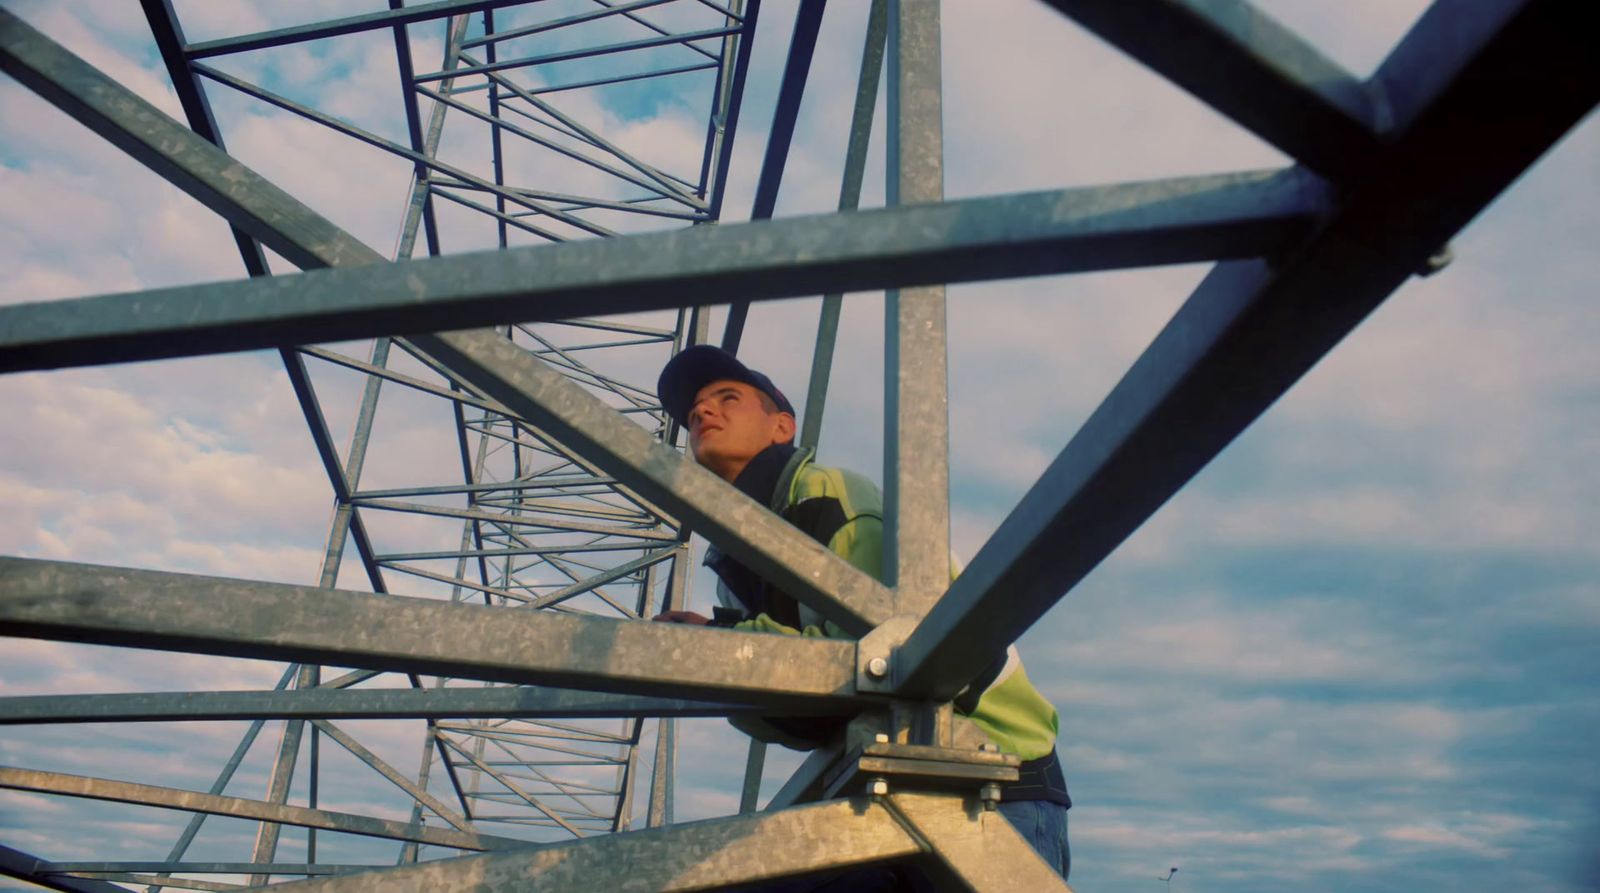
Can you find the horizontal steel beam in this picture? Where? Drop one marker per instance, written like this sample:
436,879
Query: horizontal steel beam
648,537
746,529
243,618
155,882
1251,69
239,807
1481,90
356,24
319,703
691,856
285,868
518,485
1070,230
23,866
591,15
578,53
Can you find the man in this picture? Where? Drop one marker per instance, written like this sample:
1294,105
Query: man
741,427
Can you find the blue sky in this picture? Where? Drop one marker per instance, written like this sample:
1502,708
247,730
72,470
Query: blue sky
1358,652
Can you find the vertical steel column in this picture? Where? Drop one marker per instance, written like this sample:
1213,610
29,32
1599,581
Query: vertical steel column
661,778
796,67
755,763
408,850
628,770
408,98
722,96
855,165
916,441
223,777
661,775
721,131
496,144
266,845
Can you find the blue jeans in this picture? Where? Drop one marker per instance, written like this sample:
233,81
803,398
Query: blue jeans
1044,826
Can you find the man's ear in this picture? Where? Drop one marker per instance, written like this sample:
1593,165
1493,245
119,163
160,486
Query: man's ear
784,433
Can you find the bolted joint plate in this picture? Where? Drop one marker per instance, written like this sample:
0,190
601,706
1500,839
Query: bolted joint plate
920,767
875,654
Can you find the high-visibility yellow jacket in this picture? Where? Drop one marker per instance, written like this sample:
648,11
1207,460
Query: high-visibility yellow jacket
844,510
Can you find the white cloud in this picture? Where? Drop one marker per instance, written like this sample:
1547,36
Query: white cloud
1490,835
103,472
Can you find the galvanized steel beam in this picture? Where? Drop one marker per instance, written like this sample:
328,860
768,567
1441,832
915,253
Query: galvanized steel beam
694,856
916,401
26,867
304,868
1250,68
323,703
1070,230
645,43
356,24
855,165
791,89
563,22
239,807
974,849
242,618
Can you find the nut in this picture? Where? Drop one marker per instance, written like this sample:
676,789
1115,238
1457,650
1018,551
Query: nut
878,787
989,747
990,795
877,668
1437,261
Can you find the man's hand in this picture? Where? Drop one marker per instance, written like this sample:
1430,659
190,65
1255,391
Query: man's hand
682,617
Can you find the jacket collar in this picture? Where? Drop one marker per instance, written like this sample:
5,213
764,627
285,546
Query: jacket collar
767,479
769,475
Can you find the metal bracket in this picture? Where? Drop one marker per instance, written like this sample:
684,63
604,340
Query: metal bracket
882,763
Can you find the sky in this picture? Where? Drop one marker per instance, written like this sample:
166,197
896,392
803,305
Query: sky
1357,652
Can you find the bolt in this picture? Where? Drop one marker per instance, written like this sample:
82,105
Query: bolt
989,747
990,795
879,787
881,738
1437,261
877,668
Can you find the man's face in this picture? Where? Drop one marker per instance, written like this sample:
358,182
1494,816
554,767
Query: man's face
729,425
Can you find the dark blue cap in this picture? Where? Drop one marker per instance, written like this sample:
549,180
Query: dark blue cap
698,366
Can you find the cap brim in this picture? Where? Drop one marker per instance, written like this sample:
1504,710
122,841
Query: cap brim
692,369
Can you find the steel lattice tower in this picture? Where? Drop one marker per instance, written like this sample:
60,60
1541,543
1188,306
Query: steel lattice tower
565,516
